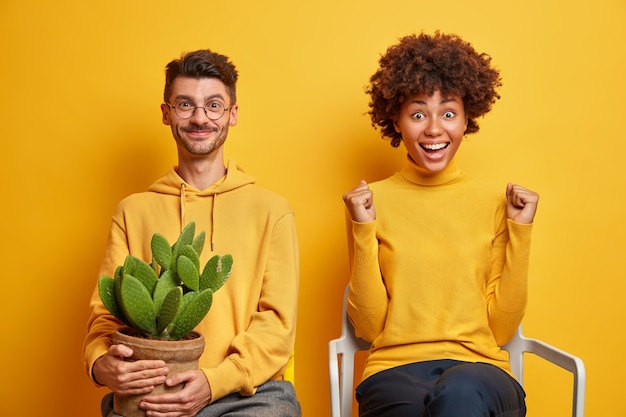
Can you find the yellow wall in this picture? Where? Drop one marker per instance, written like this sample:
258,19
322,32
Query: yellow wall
82,83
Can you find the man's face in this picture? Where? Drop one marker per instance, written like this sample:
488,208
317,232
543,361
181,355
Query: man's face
198,135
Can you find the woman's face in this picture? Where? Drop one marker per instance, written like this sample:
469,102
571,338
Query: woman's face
432,128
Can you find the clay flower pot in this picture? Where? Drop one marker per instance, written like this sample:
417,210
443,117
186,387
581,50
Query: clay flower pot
180,355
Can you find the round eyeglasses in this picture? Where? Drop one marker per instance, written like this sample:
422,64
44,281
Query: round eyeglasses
185,109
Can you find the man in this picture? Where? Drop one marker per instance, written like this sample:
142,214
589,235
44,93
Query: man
250,328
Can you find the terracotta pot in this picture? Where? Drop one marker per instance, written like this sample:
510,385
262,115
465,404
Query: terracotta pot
180,356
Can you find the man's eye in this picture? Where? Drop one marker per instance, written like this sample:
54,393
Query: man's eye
185,105
214,105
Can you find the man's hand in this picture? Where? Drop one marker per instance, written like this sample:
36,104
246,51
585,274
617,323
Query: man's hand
128,378
521,204
360,203
187,402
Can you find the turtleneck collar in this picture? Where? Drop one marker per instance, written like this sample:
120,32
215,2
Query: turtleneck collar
418,175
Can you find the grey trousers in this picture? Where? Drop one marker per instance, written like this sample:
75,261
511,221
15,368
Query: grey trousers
272,399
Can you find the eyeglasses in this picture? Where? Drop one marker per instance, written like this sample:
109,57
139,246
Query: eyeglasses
185,109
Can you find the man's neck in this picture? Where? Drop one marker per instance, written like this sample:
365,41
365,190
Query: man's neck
201,173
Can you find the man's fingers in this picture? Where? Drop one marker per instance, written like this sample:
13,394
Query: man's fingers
120,351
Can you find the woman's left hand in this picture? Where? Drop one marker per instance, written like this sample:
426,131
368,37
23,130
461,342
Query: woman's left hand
521,203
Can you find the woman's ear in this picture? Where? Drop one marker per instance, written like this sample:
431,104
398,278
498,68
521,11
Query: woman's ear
397,127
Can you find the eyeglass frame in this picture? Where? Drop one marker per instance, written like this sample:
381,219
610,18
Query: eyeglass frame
206,112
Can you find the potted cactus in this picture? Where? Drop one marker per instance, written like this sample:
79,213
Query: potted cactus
161,303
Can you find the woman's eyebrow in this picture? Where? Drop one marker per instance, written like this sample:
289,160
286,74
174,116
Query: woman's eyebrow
443,101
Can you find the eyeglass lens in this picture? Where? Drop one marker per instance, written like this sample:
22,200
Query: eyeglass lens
213,110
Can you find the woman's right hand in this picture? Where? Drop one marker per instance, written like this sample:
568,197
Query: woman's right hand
360,203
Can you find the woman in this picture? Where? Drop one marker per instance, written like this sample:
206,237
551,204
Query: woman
439,259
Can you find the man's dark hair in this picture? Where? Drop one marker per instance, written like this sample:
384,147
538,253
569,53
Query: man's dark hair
423,64
202,64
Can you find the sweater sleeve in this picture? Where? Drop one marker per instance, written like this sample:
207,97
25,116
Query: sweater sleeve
507,289
101,323
367,298
267,344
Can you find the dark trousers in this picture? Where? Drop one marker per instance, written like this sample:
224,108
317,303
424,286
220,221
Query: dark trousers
442,388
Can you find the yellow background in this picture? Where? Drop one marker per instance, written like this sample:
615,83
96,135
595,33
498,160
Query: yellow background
82,83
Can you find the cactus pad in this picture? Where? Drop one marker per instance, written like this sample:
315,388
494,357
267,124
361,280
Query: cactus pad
167,298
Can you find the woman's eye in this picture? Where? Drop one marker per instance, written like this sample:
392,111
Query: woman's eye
418,115
448,115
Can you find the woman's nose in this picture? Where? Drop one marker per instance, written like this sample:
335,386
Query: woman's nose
434,127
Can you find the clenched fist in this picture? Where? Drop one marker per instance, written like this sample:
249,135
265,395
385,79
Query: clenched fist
521,204
360,203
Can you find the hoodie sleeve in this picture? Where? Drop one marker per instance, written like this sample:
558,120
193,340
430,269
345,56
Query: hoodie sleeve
261,352
101,323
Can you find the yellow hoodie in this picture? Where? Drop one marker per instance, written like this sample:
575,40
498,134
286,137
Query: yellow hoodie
440,274
250,328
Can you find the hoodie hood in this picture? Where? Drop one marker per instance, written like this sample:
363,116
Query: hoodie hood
173,184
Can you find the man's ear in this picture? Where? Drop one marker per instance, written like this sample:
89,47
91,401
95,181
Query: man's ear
234,114
165,111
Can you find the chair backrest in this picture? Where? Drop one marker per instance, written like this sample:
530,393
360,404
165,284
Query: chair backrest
342,374
521,344
342,352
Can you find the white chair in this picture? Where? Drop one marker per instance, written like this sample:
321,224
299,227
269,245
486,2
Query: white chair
342,352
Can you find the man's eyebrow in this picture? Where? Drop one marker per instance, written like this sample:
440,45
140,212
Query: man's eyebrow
209,98
214,96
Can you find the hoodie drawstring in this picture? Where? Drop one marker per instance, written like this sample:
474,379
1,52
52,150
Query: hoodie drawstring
213,222
183,199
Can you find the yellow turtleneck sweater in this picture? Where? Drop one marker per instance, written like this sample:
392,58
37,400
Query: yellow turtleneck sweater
440,274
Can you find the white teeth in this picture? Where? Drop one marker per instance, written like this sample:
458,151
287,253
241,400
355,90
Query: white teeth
434,146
